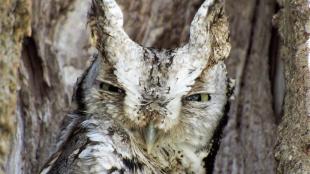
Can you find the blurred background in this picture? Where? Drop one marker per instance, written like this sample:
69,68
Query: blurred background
45,47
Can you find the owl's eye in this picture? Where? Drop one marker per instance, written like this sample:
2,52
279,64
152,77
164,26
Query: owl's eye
110,88
199,97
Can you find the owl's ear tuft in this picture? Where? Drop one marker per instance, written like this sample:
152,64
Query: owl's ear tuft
209,33
200,27
105,19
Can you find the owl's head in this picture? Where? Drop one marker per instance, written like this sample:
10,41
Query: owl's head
156,95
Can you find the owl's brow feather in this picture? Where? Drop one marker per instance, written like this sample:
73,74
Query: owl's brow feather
205,92
143,103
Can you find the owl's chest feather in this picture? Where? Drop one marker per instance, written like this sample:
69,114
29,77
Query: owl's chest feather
112,149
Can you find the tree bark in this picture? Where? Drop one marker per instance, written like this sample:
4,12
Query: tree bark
58,50
51,60
293,144
248,141
14,25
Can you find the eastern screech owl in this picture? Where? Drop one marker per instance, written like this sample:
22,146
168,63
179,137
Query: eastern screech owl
143,110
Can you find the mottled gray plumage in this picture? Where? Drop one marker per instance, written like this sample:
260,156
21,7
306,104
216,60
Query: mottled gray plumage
143,110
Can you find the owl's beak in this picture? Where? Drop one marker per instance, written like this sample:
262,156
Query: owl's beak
150,136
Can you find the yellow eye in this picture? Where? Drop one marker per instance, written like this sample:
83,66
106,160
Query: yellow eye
199,97
205,97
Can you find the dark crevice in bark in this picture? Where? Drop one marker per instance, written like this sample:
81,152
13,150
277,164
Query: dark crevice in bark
34,65
248,54
273,55
36,97
276,72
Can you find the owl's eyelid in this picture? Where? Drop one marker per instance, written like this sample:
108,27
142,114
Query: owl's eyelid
200,92
98,81
204,92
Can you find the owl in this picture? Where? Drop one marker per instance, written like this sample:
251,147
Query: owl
143,110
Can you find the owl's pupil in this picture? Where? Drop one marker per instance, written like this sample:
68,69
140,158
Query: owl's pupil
195,97
113,89
101,85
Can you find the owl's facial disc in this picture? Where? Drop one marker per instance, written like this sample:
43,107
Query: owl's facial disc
156,82
158,100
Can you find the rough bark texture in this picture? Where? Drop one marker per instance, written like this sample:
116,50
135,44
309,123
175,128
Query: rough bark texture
58,51
14,24
293,144
248,142
52,58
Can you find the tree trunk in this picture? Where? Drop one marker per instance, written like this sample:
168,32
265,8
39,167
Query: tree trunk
293,144
248,141
51,60
58,51
14,25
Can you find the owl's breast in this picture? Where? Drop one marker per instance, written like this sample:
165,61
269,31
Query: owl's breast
111,148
